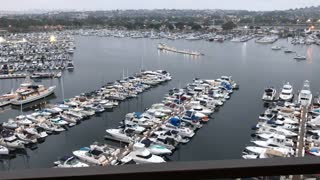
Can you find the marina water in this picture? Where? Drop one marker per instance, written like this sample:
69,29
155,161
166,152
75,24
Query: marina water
99,60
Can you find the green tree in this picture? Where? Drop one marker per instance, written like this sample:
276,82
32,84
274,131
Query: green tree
228,25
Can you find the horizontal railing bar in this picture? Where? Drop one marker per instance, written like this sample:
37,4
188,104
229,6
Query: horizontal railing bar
179,170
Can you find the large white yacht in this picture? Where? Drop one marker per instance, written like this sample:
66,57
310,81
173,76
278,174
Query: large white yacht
305,95
286,92
29,92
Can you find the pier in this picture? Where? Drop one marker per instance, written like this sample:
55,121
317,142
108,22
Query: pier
302,132
170,129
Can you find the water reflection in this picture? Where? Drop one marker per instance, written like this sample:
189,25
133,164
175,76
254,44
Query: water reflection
244,52
309,55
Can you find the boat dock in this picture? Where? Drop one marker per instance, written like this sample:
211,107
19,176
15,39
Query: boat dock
54,119
175,124
289,127
300,151
32,76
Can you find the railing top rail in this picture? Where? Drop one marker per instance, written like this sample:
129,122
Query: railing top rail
179,170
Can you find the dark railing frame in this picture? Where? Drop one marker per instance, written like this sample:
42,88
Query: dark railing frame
179,170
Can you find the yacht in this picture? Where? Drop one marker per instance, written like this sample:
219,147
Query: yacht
70,65
299,57
29,92
288,51
261,152
155,148
141,155
265,129
274,140
12,143
182,131
4,150
286,92
129,125
276,48
305,95
120,135
91,156
69,162
269,94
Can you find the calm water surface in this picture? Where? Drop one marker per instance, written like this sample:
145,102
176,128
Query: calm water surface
101,60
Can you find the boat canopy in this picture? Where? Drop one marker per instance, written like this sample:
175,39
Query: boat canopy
137,114
175,121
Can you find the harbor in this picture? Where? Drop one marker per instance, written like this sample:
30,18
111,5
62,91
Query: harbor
88,76
40,55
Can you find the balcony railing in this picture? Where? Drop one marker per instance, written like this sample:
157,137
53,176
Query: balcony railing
180,170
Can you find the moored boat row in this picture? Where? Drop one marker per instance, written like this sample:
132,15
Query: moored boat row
54,119
158,132
279,132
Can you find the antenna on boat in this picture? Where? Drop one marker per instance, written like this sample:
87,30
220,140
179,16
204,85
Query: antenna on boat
62,88
127,73
142,56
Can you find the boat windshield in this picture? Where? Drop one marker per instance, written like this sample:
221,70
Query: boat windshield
72,161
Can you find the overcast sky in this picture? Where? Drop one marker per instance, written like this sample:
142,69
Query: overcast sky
13,5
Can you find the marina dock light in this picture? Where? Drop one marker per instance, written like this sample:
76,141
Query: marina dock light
53,38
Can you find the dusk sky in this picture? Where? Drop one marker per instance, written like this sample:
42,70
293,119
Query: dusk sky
14,5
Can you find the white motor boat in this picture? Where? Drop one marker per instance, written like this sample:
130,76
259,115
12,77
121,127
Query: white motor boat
35,132
27,138
274,140
278,130
269,94
90,156
261,150
141,155
155,148
69,162
4,150
202,110
171,134
22,120
11,124
286,92
50,127
276,47
106,104
14,144
305,95
183,131
167,143
119,135
299,57
132,126
250,156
